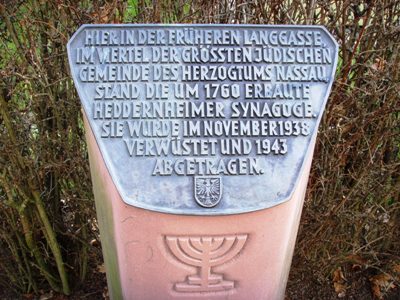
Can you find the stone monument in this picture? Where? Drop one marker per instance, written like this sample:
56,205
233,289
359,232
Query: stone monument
200,142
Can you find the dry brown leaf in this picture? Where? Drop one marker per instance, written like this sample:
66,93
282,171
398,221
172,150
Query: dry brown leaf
357,260
396,268
381,283
46,296
338,275
101,269
339,283
106,296
340,289
396,271
376,291
379,64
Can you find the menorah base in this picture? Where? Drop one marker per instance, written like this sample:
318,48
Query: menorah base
215,283
212,279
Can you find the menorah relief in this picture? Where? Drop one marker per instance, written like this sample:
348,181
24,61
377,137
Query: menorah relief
205,252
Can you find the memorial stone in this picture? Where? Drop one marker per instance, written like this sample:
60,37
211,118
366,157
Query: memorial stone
200,126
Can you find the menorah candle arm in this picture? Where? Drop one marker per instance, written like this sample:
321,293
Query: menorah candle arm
240,240
181,255
190,250
197,244
227,244
216,243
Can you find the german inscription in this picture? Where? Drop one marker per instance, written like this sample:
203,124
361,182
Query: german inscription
203,119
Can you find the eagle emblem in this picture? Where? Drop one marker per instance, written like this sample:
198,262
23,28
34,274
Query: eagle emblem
208,191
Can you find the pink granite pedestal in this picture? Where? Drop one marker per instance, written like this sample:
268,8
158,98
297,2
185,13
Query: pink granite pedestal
151,255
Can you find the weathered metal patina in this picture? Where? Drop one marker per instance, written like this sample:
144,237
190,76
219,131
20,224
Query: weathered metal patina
203,119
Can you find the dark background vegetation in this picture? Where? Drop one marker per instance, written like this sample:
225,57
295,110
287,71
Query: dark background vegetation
349,240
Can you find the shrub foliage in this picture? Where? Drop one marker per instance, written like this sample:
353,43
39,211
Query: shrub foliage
352,208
